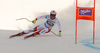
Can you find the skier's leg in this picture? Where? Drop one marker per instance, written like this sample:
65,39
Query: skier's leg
40,29
28,31
37,28
19,34
46,30
24,32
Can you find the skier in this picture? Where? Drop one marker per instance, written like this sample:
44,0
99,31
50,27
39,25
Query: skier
44,27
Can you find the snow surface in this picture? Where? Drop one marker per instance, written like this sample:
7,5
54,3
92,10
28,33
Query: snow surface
46,43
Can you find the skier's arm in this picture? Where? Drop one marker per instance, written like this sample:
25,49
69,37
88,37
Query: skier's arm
40,17
58,23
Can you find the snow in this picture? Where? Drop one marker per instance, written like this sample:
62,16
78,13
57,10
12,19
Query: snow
46,43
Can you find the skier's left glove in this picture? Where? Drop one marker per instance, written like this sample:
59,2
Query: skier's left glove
34,21
59,34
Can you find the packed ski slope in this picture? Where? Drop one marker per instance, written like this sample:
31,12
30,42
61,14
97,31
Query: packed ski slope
46,43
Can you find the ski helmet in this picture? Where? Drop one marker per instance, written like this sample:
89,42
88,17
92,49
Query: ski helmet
53,12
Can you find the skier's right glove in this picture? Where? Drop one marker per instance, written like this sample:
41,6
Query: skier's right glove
34,21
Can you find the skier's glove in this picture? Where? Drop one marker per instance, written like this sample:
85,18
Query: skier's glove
34,21
59,34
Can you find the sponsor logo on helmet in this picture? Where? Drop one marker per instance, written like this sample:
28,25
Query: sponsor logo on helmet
53,12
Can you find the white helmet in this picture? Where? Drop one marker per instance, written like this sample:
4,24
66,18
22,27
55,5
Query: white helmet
53,12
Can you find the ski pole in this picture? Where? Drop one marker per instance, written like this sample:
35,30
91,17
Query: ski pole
24,18
54,33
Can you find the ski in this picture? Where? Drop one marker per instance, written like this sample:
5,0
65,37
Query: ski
27,36
13,36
